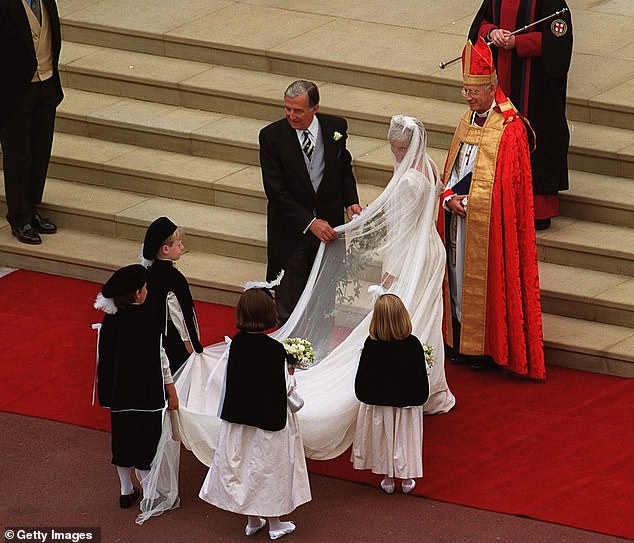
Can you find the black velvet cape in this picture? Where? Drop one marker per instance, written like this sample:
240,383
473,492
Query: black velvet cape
255,385
392,373
129,373
163,277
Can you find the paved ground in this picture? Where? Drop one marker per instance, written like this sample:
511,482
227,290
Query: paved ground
56,474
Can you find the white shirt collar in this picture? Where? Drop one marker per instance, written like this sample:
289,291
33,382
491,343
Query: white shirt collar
313,131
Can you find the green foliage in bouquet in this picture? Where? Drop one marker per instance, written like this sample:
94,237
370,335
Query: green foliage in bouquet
430,357
299,351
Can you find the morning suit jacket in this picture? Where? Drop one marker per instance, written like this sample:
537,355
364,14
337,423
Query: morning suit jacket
292,201
18,62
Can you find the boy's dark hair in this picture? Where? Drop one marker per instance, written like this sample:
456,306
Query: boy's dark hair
256,311
124,300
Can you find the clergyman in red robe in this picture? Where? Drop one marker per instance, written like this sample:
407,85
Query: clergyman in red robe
491,292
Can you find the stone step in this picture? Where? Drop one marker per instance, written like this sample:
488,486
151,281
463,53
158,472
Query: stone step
229,184
354,45
569,291
162,173
590,346
93,257
252,94
241,92
599,198
588,245
118,214
587,294
200,133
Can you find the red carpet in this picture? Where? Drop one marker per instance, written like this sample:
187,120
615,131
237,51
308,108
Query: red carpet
560,451
49,347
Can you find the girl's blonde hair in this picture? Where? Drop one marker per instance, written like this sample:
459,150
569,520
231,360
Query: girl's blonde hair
390,320
176,235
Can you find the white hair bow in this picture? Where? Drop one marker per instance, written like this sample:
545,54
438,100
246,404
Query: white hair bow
377,291
264,284
104,304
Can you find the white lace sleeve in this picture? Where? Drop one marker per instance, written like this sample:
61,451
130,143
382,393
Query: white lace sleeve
165,365
176,315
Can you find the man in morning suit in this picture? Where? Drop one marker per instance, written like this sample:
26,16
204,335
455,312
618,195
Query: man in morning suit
308,180
30,90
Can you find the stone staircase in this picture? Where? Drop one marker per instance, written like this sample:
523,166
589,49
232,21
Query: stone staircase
161,120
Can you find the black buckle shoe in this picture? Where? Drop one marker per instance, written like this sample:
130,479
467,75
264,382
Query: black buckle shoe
542,224
43,226
482,363
26,234
126,500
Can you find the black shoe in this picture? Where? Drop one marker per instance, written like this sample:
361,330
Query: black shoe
43,226
26,234
458,360
542,224
480,363
126,500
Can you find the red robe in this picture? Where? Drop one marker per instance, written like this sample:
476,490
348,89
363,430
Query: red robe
501,312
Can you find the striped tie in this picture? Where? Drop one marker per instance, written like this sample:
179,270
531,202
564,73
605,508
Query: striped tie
307,146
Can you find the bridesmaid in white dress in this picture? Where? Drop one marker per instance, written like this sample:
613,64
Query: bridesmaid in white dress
392,386
259,468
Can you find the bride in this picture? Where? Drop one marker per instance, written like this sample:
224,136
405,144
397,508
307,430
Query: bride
393,243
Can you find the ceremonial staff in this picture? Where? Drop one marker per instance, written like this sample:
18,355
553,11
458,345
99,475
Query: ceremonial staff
443,65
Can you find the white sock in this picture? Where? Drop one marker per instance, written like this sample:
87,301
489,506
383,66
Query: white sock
125,477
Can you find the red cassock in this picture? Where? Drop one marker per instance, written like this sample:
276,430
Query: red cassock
501,313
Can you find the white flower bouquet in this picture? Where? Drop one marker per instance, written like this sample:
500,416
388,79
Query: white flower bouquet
430,357
300,352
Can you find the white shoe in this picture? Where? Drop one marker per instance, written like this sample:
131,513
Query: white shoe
408,485
254,530
388,486
276,534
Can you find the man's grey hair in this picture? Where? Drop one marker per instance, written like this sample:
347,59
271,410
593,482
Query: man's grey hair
301,86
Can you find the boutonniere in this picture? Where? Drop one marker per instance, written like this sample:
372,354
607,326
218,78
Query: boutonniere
337,136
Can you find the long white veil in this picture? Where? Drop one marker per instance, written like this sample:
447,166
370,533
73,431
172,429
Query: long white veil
394,242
